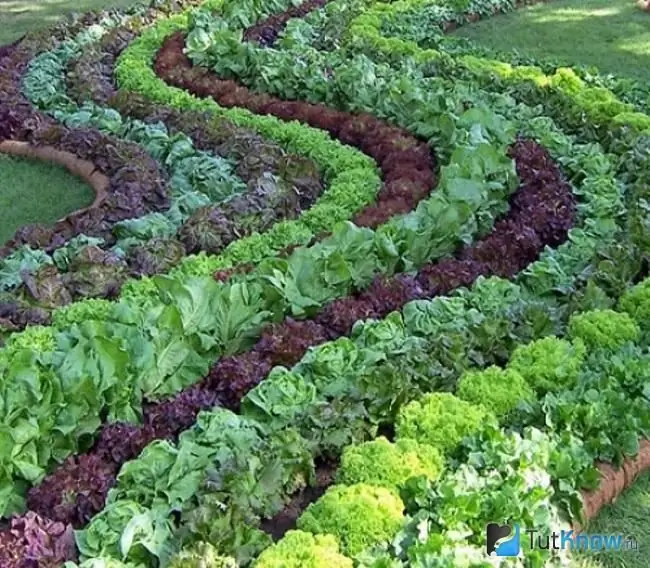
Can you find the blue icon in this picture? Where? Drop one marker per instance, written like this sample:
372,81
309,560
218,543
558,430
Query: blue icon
502,540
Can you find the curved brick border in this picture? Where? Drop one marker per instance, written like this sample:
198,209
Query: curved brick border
614,481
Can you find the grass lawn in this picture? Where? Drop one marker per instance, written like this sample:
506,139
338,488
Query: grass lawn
613,35
21,16
37,192
629,516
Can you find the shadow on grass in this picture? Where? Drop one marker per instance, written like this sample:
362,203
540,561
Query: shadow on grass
613,35
18,17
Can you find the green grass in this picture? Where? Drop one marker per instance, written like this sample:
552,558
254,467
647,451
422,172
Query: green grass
629,516
37,192
613,35
21,16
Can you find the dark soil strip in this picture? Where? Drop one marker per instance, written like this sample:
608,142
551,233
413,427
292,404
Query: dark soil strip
286,519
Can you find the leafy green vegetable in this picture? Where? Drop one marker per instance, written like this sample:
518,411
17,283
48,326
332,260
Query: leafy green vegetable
202,555
441,420
384,464
298,549
360,516
604,328
549,364
498,390
23,259
636,302
126,531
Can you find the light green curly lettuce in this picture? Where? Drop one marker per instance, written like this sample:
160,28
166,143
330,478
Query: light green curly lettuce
549,364
298,549
385,464
498,390
360,516
604,329
441,420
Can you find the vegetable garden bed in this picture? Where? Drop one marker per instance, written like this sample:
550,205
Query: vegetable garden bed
354,291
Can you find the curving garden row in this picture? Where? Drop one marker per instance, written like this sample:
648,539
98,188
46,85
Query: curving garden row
163,378
278,185
228,472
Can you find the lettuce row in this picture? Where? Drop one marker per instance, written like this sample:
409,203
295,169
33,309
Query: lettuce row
530,124
352,176
425,23
355,182
202,320
152,481
44,84
336,381
492,316
540,472
529,278
597,103
230,340
194,323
